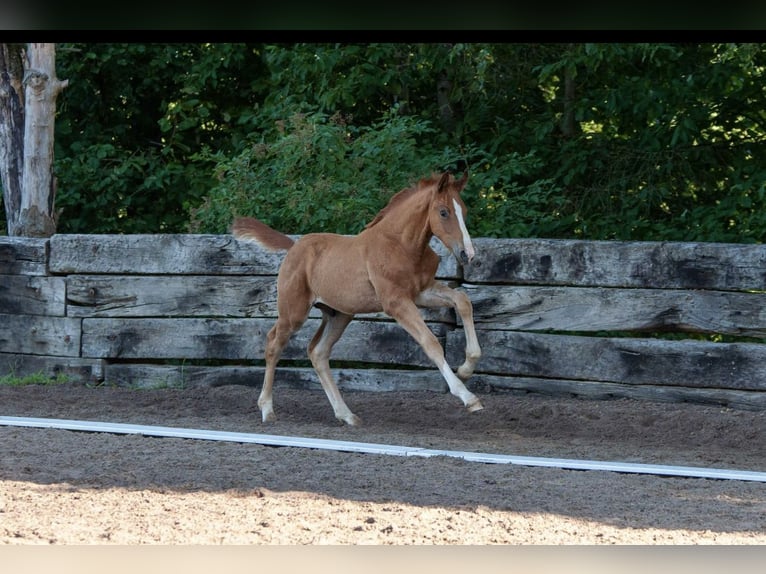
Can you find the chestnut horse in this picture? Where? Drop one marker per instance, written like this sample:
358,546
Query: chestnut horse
388,267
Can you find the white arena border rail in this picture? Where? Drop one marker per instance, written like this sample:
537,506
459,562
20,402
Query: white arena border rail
374,448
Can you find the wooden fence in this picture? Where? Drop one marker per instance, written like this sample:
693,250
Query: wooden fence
587,318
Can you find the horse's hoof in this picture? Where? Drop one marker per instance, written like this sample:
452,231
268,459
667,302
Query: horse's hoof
352,420
474,406
269,417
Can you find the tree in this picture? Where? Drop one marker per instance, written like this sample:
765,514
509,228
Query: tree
130,130
28,91
595,141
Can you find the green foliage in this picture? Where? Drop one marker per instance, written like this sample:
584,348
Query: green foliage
319,173
39,378
597,141
674,150
131,121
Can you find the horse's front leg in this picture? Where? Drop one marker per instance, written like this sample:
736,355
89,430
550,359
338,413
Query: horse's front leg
407,315
439,295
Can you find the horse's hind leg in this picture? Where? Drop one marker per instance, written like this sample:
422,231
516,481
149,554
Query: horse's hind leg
276,340
293,306
332,327
291,316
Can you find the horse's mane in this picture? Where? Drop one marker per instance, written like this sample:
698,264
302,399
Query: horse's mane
402,195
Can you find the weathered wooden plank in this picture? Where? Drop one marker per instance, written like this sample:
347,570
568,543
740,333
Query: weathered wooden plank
748,400
186,296
76,369
178,254
667,265
23,256
35,335
612,309
449,268
160,254
171,296
192,338
740,366
154,376
32,295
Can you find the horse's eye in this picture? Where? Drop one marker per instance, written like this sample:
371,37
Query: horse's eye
444,212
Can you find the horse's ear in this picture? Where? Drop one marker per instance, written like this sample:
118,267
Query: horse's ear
462,181
443,182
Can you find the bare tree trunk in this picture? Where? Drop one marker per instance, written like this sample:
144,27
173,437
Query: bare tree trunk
568,123
32,214
569,127
11,130
446,111
39,192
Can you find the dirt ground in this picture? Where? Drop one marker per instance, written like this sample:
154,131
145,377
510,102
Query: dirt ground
64,487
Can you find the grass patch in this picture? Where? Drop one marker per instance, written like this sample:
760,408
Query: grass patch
39,378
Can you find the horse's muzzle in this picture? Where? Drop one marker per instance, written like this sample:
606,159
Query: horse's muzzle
463,253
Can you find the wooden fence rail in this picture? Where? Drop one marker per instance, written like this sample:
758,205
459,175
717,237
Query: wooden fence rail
589,318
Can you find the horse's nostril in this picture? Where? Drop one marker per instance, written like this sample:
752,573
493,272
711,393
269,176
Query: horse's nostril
463,257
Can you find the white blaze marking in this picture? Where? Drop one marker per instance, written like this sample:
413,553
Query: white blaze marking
464,230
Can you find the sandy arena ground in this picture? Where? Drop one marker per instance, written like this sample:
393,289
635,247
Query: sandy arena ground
62,487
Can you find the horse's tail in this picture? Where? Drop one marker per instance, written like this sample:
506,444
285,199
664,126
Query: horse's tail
250,229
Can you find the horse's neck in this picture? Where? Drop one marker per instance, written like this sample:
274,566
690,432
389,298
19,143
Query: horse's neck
408,224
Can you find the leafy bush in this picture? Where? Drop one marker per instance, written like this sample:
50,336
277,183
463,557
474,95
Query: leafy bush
131,122
320,173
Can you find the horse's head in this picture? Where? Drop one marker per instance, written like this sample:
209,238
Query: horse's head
447,217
